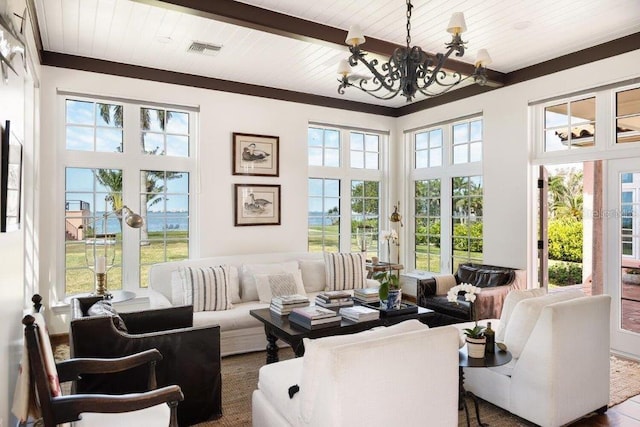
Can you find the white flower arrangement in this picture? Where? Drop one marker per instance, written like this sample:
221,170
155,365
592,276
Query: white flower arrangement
469,290
389,236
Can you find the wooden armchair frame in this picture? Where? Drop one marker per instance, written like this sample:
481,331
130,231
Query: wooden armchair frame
61,409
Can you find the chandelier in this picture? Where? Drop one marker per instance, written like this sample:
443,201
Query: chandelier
409,69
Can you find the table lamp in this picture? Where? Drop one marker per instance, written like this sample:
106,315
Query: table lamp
103,258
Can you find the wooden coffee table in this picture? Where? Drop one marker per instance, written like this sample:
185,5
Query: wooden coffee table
278,327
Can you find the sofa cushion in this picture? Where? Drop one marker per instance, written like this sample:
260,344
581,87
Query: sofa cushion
513,298
525,316
345,271
317,357
231,320
313,274
104,308
248,289
278,284
177,293
206,288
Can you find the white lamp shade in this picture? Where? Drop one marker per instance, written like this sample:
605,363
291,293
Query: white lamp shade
344,69
355,36
482,58
457,25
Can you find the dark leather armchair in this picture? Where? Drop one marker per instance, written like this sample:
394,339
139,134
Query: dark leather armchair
190,355
495,281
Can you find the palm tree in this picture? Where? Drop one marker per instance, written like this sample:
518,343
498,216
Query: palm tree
151,182
566,194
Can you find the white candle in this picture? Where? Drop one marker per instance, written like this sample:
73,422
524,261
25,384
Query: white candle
101,264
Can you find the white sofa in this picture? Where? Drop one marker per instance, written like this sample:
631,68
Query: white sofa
560,366
239,332
405,374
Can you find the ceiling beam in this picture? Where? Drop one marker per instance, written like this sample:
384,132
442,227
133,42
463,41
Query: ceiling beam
82,63
257,18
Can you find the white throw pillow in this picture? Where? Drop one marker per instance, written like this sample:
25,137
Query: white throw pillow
207,288
313,274
513,298
177,293
525,316
345,271
278,284
248,289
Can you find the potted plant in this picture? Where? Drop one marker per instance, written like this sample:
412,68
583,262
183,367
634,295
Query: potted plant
475,338
631,276
389,292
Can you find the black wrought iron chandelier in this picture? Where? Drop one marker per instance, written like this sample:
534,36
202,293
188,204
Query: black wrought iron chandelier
410,70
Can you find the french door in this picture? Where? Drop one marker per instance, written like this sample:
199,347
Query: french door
622,215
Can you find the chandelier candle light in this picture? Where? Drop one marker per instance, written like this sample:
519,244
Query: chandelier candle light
410,69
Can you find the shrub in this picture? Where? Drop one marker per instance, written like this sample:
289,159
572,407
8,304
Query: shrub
565,239
565,274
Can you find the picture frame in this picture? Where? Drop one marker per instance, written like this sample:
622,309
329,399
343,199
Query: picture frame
256,204
256,155
10,179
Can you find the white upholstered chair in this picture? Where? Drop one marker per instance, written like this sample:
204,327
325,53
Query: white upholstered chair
406,374
560,366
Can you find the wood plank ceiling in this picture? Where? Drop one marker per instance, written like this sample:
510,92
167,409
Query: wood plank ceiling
299,58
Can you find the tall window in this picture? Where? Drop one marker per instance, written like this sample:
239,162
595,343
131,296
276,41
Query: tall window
447,192
324,215
103,154
344,189
570,125
365,216
466,202
427,225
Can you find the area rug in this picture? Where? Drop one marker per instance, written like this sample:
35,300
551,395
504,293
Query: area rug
240,377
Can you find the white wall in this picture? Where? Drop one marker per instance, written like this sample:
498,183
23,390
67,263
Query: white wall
16,105
221,114
509,208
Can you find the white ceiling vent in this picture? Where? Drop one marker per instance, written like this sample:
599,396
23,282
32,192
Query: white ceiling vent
204,48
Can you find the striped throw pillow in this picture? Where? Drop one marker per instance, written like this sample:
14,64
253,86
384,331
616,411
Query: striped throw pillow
207,288
345,271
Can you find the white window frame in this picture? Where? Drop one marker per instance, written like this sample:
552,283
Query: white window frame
445,173
345,173
131,162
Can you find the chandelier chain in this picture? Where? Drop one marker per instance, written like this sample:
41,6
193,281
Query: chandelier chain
409,7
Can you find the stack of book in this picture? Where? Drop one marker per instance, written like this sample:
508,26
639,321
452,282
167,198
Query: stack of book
284,304
359,313
366,295
334,299
314,317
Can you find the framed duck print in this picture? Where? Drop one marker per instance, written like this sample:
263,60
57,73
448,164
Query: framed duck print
257,155
257,204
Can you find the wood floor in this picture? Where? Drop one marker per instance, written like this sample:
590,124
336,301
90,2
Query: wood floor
626,414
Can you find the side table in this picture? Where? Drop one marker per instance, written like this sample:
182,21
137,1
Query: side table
382,266
498,358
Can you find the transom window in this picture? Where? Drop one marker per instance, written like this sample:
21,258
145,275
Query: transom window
628,116
93,126
570,125
467,142
428,149
365,150
324,147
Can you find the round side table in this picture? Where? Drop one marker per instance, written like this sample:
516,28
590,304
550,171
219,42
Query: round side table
498,358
